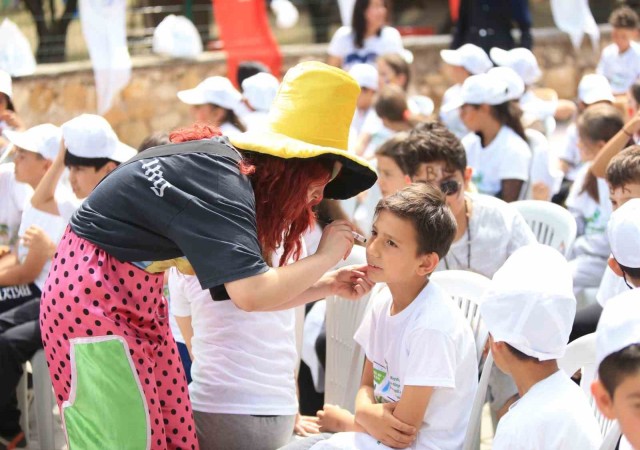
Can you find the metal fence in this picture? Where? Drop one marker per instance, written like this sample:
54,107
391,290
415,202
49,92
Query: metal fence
56,37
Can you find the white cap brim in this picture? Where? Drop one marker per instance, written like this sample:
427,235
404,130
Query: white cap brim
590,99
123,153
451,57
452,105
192,97
18,139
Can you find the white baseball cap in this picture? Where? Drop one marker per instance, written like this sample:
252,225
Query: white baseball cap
480,90
514,81
214,90
365,75
260,90
595,88
530,303
5,84
470,57
623,231
91,136
522,60
43,139
619,324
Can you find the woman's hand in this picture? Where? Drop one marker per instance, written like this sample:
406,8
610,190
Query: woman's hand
306,425
350,282
378,420
337,241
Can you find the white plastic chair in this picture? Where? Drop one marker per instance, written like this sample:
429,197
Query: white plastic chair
472,435
345,358
552,224
43,402
466,289
581,355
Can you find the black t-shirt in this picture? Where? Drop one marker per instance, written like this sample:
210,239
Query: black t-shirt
197,205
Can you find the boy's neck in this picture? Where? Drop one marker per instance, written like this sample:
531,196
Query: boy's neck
527,374
402,294
623,50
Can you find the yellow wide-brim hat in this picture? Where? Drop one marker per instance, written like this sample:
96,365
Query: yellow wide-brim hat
309,118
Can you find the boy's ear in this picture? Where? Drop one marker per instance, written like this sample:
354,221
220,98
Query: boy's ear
613,265
603,399
407,179
428,264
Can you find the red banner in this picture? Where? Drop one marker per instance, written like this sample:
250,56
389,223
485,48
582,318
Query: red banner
246,34
454,9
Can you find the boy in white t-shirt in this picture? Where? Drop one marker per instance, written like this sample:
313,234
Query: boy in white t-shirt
617,388
528,309
420,373
620,61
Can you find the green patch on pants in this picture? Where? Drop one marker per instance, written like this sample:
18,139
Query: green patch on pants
107,409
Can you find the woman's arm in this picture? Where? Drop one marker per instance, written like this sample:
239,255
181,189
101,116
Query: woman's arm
44,196
616,144
278,287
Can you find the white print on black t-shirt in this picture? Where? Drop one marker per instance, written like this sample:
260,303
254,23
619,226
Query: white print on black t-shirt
153,173
14,292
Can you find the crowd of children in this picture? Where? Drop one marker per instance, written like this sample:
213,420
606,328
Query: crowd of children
253,211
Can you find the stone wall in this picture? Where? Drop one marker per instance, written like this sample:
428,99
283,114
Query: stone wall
149,104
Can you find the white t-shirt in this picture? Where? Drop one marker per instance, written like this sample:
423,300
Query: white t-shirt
244,363
507,157
378,134
255,120
67,202
610,286
621,70
591,217
14,197
228,129
497,230
429,343
52,225
624,444
452,118
342,45
544,166
570,153
553,415
536,108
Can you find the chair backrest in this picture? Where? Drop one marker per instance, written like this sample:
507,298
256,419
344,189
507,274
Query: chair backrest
551,224
466,289
344,358
472,435
581,355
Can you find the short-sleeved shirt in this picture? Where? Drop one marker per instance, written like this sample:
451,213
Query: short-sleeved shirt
553,415
591,216
342,45
14,198
155,211
429,343
570,153
497,230
507,157
621,69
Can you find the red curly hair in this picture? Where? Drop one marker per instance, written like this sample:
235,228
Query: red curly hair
280,186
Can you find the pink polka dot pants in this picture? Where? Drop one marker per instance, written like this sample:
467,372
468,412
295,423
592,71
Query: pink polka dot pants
113,361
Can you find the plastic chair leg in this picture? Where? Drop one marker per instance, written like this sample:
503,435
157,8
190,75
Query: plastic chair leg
43,403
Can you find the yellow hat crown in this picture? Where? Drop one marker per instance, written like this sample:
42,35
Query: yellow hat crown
315,104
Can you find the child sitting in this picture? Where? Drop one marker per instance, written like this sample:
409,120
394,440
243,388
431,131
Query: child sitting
617,388
420,372
528,309
620,61
588,198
